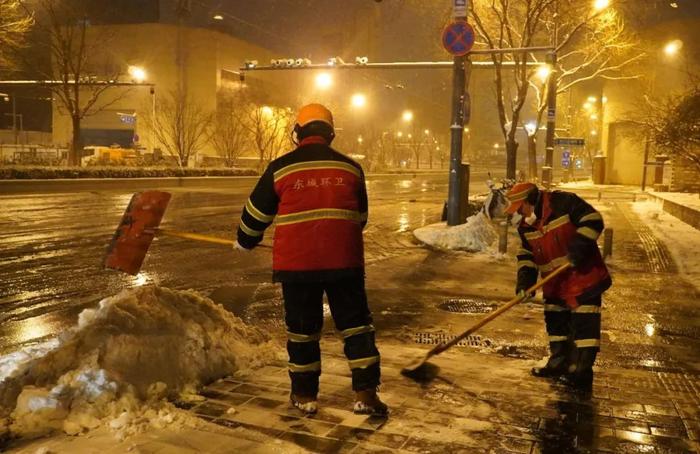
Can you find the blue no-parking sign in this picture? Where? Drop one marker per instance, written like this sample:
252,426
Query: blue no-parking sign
458,38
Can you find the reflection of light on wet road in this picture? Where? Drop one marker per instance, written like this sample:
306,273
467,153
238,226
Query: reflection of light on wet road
649,329
403,222
31,330
650,363
405,184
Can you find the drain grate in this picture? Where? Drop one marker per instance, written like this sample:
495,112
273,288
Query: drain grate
473,340
467,305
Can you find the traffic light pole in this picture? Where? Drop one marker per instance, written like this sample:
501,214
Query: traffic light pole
460,109
551,120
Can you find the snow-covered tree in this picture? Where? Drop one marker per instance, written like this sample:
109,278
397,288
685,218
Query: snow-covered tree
15,22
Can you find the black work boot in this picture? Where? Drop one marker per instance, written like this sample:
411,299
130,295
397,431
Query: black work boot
581,379
367,403
557,362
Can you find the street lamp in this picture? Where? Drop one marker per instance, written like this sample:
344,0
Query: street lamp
324,81
407,115
358,100
137,73
672,47
543,72
218,17
427,132
600,5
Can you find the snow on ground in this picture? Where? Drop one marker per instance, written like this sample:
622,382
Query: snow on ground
682,198
682,240
476,235
118,369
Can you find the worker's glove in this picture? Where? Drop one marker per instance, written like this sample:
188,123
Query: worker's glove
521,293
237,247
576,258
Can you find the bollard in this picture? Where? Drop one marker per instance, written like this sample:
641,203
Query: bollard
607,242
503,237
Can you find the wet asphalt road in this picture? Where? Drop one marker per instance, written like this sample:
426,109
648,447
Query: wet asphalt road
52,245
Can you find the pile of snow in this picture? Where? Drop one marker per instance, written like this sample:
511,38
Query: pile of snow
123,362
476,235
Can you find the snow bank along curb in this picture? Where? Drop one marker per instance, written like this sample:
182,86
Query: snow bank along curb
688,214
125,359
476,235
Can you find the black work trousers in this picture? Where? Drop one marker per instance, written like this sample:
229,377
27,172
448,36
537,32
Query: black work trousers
574,334
303,303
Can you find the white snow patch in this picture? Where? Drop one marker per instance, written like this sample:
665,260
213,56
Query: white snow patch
122,362
682,240
476,235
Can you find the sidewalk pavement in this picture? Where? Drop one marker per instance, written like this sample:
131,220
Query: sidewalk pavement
646,395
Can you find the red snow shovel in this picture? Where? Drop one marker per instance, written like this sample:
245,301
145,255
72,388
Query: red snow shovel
139,226
414,370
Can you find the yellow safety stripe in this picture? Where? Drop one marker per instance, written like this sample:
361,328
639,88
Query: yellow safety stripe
257,214
556,263
554,308
526,263
250,231
533,235
358,330
313,215
588,233
587,309
595,216
523,251
558,338
558,222
315,165
363,363
294,337
583,343
304,367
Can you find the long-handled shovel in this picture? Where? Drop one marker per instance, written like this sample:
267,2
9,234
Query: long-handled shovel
139,226
414,369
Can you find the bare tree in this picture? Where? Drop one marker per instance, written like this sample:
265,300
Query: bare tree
529,23
228,134
83,72
270,129
15,22
672,123
601,48
181,126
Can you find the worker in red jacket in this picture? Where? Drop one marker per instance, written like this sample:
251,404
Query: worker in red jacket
559,227
318,199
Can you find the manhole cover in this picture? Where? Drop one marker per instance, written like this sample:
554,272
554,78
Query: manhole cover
473,340
467,305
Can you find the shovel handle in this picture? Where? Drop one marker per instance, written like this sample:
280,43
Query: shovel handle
442,347
200,237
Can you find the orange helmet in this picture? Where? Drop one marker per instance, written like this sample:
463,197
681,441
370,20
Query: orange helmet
517,195
314,112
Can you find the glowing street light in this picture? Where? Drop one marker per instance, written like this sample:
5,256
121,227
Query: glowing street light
543,72
407,115
587,105
672,47
399,134
594,117
592,99
427,132
531,127
137,73
218,17
324,81
600,5
358,100
359,139
266,111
